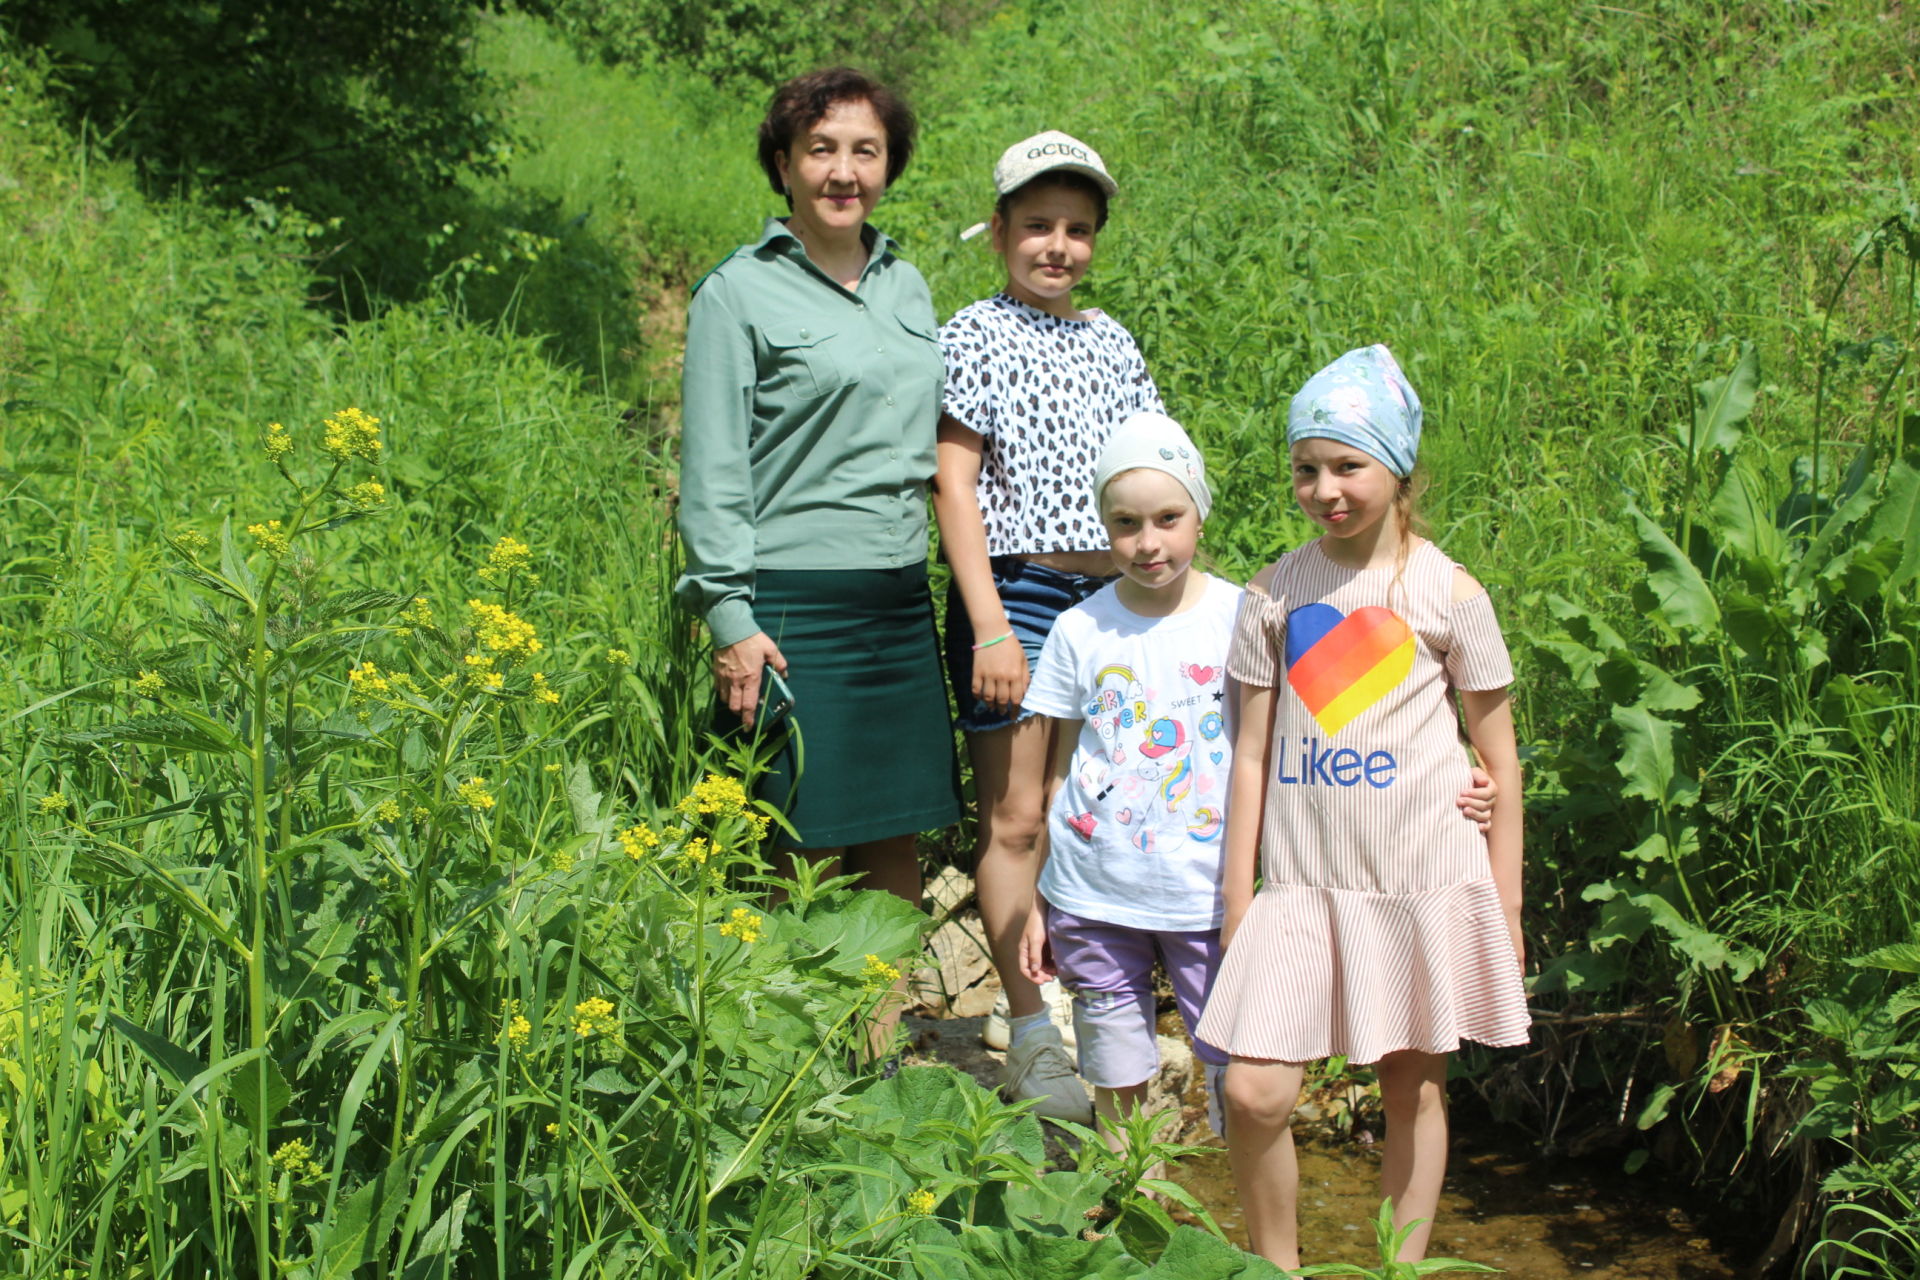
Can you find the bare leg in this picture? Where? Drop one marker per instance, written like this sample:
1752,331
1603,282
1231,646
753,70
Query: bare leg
891,866
1009,776
1260,1100
1110,1105
1413,1086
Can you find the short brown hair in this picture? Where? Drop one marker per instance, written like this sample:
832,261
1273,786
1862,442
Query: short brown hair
804,101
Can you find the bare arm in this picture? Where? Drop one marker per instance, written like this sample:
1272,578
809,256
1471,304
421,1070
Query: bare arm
1036,958
999,671
1489,719
1246,801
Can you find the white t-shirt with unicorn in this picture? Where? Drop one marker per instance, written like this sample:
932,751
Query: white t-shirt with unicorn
1136,829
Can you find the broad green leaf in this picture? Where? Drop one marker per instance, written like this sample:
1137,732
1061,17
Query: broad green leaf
1585,626
172,1060
1655,1108
179,730
1705,948
1720,405
245,1090
1897,519
1192,1254
1900,957
997,1253
1647,763
236,574
1745,529
1678,593
440,1246
356,1235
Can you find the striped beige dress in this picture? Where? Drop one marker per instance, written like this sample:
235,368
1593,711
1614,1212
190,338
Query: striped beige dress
1377,926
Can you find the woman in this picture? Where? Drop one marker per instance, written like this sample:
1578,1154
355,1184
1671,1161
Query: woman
810,394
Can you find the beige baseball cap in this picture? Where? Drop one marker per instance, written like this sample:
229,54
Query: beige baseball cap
1024,161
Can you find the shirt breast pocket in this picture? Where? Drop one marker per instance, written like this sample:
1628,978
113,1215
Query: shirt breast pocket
803,362
924,346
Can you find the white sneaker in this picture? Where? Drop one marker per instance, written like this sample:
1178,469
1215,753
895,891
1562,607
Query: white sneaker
1040,1068
996,1034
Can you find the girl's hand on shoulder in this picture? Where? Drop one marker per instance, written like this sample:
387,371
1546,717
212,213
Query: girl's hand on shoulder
1036,954
736,673
1476,802
1000,674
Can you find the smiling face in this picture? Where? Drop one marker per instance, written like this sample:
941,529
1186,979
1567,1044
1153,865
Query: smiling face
1344,490
1046,237
1154,531
836,171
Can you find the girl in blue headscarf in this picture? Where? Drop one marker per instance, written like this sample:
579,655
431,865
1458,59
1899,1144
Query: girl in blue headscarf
1385,929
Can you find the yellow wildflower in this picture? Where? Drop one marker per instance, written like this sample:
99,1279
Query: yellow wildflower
618,657
501,631
191,541
366,495
473,794
519,1031
353,434
920,1203
277,443
542,691
53,802
718,795
694,852
365,680
878,975
421,813
553,1128
271,538
418,613
149,684
509,555
389,811
639,840
296,1158
550,768
594,1016
562,860
742,924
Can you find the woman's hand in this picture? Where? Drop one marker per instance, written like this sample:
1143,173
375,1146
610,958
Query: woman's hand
1000,673
1036,954
1476,802
736,673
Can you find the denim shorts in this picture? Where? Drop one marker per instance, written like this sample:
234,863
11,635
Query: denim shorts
1033,596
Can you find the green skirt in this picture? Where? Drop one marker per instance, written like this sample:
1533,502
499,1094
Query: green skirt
867,751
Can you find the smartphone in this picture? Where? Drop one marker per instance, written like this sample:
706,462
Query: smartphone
776,699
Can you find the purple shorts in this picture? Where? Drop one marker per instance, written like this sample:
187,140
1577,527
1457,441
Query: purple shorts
1109,970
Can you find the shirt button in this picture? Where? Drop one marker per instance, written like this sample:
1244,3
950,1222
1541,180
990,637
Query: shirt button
889,399
892,453
804,333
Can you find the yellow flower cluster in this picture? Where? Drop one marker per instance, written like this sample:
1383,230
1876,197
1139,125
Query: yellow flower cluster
367,495
365,680
639,840
353,434
618,657
149,684
509,556
296,1158
920,1203
594,1017
271,538
878,975
53,802
519,1030
276,442
501,631
473,793
191,541
418,613
742,924
542,692
480,672
389,811
695,852
722,797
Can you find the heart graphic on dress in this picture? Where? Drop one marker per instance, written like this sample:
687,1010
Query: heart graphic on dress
1202,675
1342,663
1083,823
1125,816
1216,756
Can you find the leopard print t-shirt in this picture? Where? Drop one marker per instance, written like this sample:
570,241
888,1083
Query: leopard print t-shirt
1045,393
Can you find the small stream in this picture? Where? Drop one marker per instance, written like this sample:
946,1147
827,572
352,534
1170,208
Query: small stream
1532,1218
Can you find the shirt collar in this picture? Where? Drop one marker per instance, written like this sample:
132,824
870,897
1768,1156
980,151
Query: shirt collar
879,244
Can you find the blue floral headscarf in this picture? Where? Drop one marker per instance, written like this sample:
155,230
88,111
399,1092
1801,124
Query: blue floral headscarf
1361,399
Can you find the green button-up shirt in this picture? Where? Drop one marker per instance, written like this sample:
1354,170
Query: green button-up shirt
808,416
